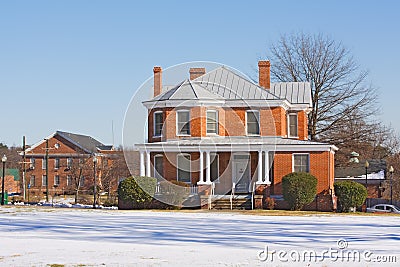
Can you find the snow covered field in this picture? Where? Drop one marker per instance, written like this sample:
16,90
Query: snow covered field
33,236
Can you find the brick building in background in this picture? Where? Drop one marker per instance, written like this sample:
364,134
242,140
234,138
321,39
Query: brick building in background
219,129
70,164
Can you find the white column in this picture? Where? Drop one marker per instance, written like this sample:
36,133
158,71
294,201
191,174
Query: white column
148,174
141,163
208,169
259,168
266,163
201,159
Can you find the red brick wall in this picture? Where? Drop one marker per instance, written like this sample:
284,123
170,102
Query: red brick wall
302,122
279,116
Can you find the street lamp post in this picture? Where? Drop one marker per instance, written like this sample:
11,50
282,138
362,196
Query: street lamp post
3,159
366,181
391,170
94,181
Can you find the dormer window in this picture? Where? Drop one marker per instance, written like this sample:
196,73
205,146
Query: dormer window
212,122
183,122
292,125
253,122
158,123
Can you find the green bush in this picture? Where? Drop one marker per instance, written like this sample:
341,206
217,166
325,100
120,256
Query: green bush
350,194
299,189
136,192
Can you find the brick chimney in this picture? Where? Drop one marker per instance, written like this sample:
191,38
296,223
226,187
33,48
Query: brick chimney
157,80
196,72
264,76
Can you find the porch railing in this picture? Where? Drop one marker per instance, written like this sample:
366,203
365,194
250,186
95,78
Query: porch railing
232,194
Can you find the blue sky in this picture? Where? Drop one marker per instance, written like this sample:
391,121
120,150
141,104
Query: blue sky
74,65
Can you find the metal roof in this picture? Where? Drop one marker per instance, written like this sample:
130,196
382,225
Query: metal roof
187,90
294,92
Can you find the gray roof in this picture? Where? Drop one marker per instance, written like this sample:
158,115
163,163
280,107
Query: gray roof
187,90
223,83
294,92
226,83
358,169
85,142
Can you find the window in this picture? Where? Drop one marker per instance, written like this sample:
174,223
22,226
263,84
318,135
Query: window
44,180
69,180
44,163
214,168
158,167
32,164
253,126
183,122
56,180
82,183
212,122
292,125
158,123
32,180
56,163
301,163
69,163
183,174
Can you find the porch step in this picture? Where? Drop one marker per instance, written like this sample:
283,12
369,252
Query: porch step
240,202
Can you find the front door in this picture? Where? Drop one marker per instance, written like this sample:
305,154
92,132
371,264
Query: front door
241,173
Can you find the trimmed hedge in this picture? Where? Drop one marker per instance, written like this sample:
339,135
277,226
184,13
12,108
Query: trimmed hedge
299,189
349,194
136,192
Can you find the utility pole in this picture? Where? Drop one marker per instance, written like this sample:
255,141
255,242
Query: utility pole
23,168
47,170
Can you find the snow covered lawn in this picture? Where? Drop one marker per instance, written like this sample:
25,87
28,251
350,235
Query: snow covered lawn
34,236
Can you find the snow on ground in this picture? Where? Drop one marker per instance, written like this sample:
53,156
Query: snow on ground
39,236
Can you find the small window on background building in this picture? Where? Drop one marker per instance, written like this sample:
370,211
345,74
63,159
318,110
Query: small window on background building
32,164
212,122
32,180
44,163
56,180
82,183
183,168
69,163
183,122
253,122
158,123
292,123
56,163
44,180
301,162
69,180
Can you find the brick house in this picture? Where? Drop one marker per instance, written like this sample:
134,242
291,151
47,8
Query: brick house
219,129
69,155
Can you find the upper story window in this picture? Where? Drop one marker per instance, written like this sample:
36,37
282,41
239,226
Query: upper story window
69,163
44,161
301,162
253,122
56,163
158,123
212,122
183,122
292,125
32,164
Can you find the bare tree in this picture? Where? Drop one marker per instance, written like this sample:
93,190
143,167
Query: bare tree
340,92
111,170
77,170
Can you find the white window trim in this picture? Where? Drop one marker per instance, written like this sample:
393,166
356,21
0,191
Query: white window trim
258,120
216,121
217,181
32,178
154,124
176,123
56,179
154,169
190,167
69,180
43,164
309,160
43,180
69,162
288,124
32,163
55,165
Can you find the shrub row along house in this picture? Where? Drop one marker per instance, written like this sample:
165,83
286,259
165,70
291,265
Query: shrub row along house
64,163
219,130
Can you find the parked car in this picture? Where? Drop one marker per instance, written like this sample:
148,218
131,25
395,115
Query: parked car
384,208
